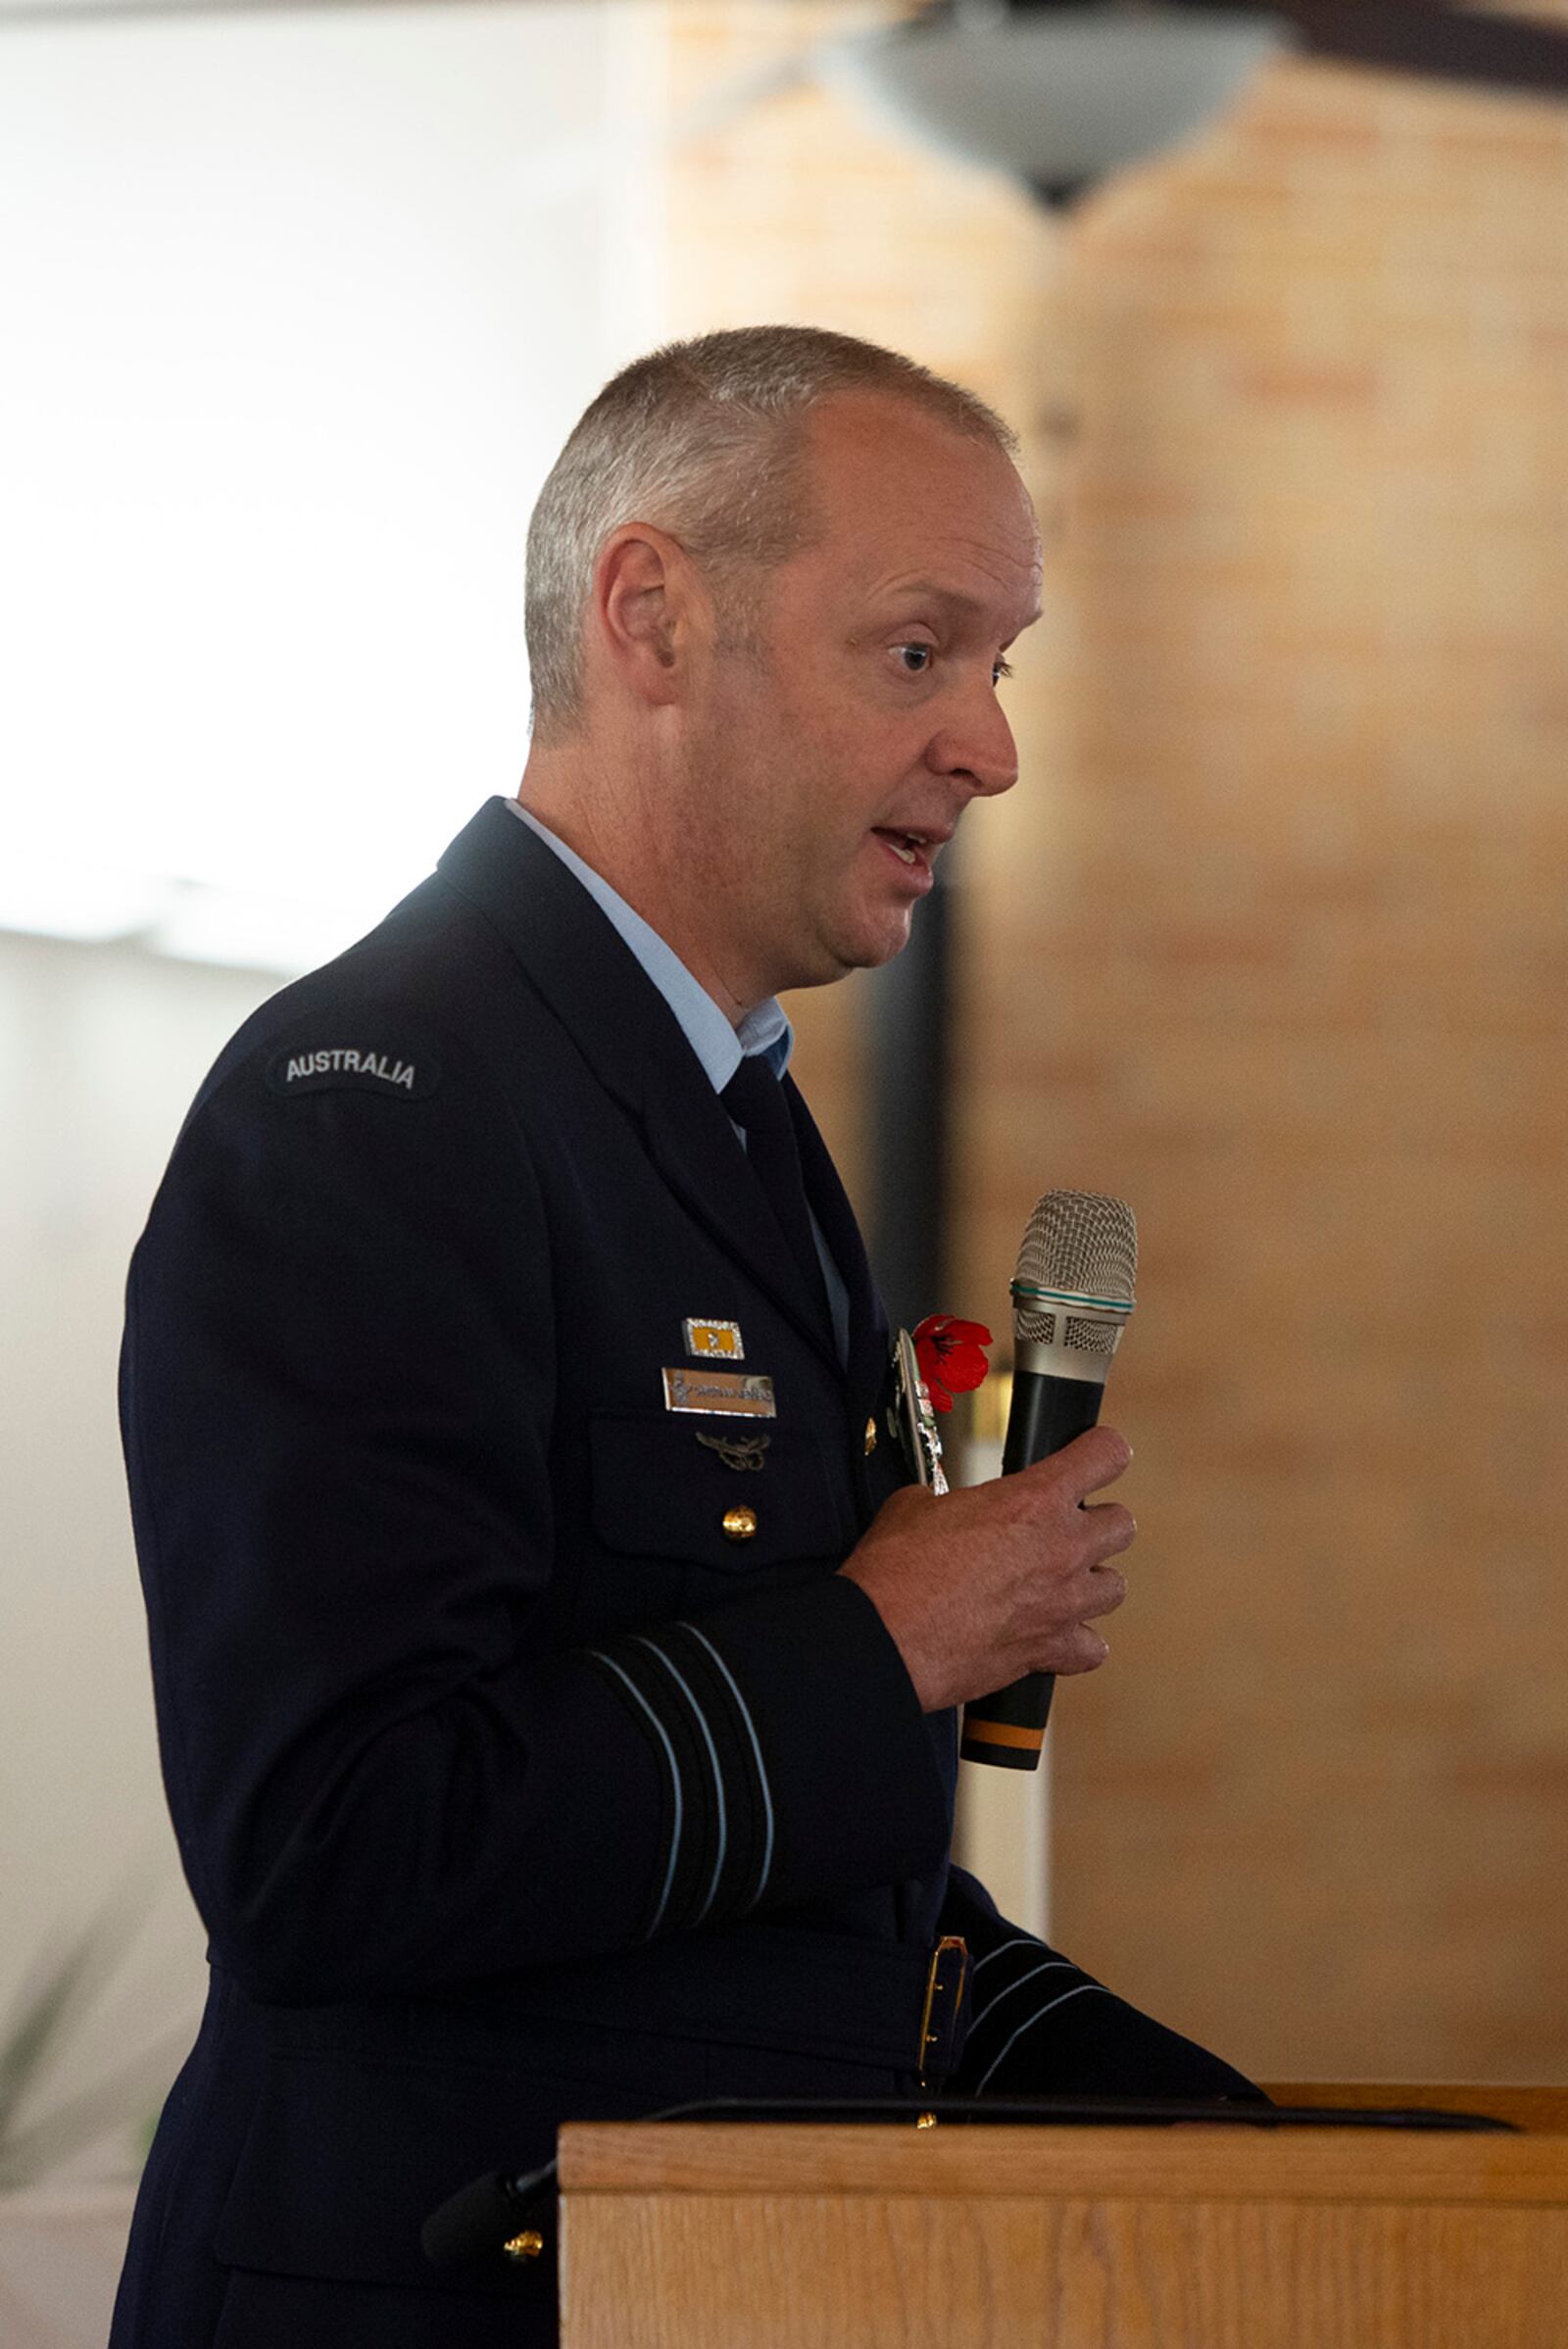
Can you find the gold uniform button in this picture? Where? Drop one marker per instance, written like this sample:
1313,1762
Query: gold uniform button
740,1524
871,1437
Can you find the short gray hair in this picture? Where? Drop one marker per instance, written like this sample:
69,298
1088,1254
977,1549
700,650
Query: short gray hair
704,439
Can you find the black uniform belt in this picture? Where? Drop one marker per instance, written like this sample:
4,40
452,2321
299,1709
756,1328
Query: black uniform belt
838,1996
828,1994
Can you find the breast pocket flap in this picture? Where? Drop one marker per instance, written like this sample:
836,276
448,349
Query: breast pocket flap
729,1494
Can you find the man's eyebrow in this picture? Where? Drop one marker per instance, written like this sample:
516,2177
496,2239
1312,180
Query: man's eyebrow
955,599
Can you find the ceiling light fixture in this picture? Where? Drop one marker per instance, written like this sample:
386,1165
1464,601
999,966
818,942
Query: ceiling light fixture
1058,96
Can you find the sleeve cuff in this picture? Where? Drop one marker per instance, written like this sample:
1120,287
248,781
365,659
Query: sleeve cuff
794,1756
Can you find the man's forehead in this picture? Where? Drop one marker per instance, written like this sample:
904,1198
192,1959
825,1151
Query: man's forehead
958,604
911,503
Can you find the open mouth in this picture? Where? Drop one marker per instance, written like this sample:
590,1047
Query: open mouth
912,848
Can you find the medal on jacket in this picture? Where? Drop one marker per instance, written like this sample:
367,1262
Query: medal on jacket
911,1419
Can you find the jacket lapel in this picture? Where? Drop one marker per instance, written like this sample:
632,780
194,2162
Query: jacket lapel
830,1204
631,1042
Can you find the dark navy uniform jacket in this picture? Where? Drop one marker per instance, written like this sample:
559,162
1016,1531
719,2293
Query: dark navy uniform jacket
510,1787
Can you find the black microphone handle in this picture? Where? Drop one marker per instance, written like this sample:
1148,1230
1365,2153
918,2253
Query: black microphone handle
1009,1728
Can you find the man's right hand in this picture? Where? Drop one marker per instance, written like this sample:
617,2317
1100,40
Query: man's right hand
981,1586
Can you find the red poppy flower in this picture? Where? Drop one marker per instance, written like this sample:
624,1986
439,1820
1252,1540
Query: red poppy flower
952,1357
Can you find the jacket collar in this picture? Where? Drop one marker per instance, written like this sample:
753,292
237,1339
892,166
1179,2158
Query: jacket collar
633,1043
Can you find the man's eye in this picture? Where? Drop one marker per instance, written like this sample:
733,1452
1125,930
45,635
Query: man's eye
916,659
1000,669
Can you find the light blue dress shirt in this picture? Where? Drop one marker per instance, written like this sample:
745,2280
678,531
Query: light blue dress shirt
720,1046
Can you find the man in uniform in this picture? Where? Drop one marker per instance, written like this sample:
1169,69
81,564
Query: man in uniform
555,1664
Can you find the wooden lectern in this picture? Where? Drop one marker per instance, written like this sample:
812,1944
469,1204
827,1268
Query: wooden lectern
732,2237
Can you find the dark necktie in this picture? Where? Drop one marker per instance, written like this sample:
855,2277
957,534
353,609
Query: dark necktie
755,1099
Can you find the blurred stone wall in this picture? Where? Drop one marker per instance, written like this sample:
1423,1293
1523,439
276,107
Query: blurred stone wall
1272,941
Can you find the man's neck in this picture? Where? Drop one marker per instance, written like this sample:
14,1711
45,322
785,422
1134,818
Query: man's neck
600,818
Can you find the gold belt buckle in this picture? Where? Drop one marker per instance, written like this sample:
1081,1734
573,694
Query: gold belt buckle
945,1985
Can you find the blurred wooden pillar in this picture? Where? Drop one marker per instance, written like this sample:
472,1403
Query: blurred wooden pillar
905,1011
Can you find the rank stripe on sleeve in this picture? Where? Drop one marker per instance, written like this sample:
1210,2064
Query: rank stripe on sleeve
749,1859
673,1804
1014,1986
753,1749
718,1841
717,1830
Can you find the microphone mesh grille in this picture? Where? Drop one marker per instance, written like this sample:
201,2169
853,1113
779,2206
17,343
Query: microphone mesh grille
1087,1336
1076,1239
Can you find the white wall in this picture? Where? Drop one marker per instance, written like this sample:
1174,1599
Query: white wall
100,1050
296,307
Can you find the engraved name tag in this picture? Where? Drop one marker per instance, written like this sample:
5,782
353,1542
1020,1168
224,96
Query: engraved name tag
728,1390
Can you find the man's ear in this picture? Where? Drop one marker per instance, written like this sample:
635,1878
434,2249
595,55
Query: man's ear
647,611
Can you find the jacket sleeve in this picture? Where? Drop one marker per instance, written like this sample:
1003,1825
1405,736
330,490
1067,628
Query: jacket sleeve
1040,2026
337,1388
1019,1987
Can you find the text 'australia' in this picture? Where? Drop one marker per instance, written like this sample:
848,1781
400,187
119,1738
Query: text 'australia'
364,1064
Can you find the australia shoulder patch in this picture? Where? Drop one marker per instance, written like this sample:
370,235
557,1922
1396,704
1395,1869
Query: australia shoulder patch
402,1076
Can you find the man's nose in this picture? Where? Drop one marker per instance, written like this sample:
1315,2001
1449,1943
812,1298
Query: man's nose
975,746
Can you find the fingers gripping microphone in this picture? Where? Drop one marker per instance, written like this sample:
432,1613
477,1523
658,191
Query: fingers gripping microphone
1071,1298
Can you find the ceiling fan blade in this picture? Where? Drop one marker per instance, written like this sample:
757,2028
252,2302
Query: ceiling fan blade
1405,36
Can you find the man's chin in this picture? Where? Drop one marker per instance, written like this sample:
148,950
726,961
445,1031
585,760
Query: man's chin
875,943
833,953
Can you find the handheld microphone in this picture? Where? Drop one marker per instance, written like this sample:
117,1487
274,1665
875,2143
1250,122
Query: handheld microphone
1072,1295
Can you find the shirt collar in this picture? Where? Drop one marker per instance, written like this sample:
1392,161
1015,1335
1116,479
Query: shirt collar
720,1046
